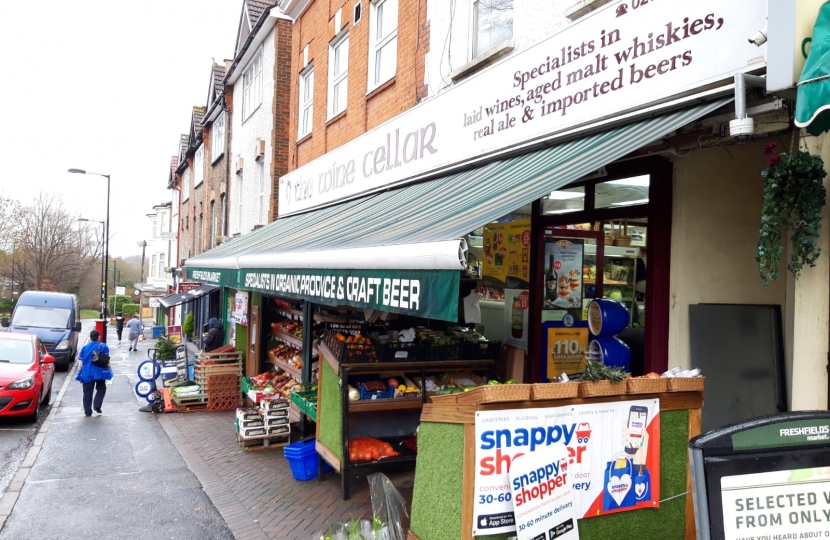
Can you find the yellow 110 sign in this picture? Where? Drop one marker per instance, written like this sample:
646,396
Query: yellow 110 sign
566,350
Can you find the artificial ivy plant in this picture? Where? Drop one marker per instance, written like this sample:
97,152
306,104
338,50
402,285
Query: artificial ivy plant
794,196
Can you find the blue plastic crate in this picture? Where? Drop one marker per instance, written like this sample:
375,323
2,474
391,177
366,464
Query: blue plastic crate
304,460
157,331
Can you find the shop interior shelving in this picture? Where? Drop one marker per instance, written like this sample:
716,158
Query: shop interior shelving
343,465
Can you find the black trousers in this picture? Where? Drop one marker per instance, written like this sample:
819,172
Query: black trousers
100,388
118,331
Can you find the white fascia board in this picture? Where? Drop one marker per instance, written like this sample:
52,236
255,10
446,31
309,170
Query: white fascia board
296,8
253,48
218,263
443,255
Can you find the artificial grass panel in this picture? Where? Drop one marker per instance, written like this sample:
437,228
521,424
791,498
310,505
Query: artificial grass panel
330,410
436,497
436,502
241,340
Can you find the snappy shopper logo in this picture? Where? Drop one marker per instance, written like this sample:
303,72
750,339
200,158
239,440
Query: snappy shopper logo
611,458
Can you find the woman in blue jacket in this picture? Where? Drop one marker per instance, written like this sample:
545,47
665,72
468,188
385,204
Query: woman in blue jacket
91,376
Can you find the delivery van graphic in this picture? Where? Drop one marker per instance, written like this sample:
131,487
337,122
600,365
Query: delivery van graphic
583,432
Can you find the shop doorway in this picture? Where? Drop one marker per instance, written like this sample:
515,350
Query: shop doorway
602,237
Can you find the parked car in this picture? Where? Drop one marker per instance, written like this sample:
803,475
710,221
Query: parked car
26,374
53,317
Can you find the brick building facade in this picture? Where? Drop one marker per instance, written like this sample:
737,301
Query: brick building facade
377,88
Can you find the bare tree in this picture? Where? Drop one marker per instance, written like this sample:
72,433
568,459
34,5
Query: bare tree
50,250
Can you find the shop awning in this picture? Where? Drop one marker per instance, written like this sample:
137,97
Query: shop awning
812,104
419,227
188,296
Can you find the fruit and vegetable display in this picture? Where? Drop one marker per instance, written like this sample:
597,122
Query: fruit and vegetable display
288,326
349,344
287,354
369,449
269,384
597,371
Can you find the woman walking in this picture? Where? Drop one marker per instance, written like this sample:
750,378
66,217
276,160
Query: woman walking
119,325
94,378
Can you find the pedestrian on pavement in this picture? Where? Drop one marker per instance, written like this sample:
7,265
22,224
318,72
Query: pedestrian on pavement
94,378
119,325
136,328
215,336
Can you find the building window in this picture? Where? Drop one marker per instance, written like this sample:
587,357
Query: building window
155,229
212,225
186,185
217,147
306,102
252,87
199,165
162,264
492,24
338,75
153,266
383,42
263,219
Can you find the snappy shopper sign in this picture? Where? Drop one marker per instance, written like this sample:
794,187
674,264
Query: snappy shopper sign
613,457
622,57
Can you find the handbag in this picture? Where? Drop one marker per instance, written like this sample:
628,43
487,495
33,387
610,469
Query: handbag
100,359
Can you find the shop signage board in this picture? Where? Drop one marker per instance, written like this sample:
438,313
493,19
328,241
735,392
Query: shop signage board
431,294
174,334
613,457
768,477
121,290
189,286
625,56
153,302
181,364
542,495
214,276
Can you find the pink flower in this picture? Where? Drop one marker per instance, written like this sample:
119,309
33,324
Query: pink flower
769,148
774,160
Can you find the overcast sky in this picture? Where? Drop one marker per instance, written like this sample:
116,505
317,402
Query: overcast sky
106,86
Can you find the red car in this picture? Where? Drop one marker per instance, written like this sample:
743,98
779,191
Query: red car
26,372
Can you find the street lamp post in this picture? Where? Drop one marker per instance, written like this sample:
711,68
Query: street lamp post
103,239
106,250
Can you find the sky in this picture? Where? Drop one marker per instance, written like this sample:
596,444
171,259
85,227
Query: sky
106,86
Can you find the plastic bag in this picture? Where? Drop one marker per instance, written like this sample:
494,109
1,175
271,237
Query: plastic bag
391,518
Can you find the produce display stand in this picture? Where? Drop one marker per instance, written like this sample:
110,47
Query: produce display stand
335,408
219,376
442,505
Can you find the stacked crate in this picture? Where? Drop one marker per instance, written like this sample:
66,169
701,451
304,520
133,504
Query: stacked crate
268,425
219,376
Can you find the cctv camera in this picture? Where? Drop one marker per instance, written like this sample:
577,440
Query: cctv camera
759,38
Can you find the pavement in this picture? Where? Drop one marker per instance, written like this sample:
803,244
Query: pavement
106,477
128,474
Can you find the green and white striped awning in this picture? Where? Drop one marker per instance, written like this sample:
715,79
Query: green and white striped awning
420,227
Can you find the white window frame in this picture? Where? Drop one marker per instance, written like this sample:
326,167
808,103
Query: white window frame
186,184
379,43
306,105
252,87
333,106
153,266
199,166
162,262
217,132
474,33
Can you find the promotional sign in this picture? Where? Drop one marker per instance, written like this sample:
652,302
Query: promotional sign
542,494
174,334
517,318
181,364
621,57
564,264
613,457
169,372
430,294
565,348
240,308
153,302
121,290
778,504
507,253
189,286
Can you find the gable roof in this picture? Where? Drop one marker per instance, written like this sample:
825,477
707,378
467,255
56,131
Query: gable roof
196,127
252,11
171,178
216,92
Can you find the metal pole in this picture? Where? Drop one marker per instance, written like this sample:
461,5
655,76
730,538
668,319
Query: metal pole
107,255
103,292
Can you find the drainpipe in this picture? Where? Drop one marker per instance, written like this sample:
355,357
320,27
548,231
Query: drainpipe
743,126
227,114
